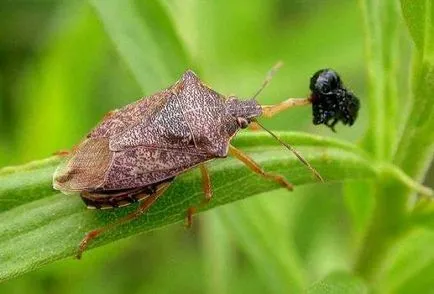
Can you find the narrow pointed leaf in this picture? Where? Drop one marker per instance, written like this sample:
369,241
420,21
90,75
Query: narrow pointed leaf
40,225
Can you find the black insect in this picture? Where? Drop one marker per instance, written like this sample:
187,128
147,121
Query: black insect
331,101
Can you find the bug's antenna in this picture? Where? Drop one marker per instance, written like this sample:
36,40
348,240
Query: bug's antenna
290,148
268,77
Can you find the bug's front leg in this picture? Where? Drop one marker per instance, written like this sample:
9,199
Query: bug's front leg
272,110
256,168
253,126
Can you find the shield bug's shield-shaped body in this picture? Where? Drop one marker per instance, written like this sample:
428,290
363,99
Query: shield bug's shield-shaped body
136,152
146,144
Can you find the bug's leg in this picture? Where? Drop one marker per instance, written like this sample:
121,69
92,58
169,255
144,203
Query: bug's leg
62,152
207,190
189,219
95,233
271,110
257,168
253,126
206,183
109,114
65,152
147,202
332,125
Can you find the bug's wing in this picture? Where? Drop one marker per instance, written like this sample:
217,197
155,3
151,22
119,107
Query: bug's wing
193,116
86,168
141,166
94,167
139,112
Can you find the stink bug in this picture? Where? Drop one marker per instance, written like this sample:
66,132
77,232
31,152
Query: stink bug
136,152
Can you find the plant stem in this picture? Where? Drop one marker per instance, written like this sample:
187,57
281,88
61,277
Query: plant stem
387,225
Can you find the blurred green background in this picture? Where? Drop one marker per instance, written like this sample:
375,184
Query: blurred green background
60,72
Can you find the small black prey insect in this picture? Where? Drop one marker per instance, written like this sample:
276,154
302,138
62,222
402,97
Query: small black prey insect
331,101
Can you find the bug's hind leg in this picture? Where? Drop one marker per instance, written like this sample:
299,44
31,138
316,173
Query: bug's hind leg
148,200
256,168
207,190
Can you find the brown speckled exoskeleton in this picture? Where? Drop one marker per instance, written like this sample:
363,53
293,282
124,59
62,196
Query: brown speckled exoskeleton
137,151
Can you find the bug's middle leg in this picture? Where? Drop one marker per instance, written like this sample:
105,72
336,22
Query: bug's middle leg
207,190
256,168
206,182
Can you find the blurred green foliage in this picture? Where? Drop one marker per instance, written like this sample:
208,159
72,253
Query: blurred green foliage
63,64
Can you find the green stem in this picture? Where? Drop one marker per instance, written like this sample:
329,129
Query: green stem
412,186
374,141
387,225
416,147
391,217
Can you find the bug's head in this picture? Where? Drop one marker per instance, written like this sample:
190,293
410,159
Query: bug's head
243,111
331,101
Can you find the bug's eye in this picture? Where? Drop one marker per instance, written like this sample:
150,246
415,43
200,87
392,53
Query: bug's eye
242,122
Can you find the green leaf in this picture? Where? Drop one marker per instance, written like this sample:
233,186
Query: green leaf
360,202
380,24
419,15
145,38
43,226
218,255
23,184
423,214
338,283
266,243
379,36
410,267
65,87
416,147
